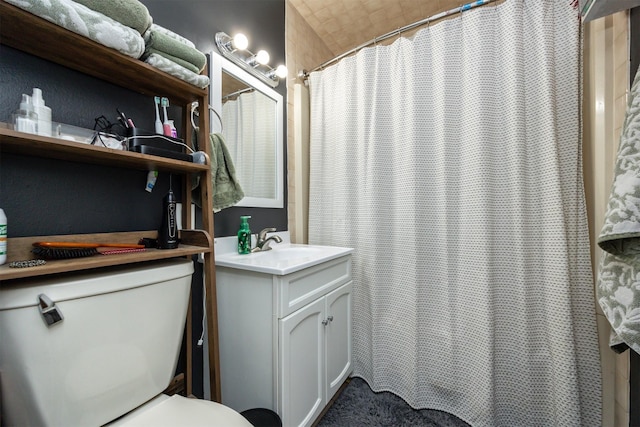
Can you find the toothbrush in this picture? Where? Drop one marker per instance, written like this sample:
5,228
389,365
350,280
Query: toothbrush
158,124
166,126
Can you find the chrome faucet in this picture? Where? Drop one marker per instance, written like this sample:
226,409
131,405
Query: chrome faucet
262,241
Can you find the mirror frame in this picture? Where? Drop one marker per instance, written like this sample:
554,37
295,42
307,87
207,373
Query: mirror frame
220,64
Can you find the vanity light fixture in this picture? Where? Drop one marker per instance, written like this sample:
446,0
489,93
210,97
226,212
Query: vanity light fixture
235,49
280,71
237,42
260,58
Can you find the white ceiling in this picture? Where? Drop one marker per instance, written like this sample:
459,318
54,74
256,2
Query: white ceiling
345,24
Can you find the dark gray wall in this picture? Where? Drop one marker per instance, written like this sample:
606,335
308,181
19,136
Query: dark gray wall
263,23
44,196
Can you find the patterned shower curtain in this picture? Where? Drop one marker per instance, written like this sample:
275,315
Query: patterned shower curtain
247,124
451,162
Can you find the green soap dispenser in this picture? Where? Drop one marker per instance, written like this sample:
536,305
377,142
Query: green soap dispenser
244,236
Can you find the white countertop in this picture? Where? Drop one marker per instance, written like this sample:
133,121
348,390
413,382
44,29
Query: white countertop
283,258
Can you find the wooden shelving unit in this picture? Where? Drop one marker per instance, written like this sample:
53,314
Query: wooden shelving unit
56,44
54,148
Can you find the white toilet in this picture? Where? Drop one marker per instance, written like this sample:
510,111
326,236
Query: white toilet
99,348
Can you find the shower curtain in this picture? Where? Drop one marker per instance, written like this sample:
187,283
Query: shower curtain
451,162
247,123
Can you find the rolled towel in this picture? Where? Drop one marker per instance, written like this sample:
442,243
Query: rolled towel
131,13
157,41
170,67
86,22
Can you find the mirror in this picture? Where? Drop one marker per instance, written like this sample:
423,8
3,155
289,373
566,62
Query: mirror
249,114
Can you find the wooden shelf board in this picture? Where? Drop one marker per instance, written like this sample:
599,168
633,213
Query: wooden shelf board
19,248
32,34
97,261
42,146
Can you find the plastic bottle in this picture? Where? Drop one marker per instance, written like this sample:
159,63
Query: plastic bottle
174,131
168,232
26,119
244,236
152,177
43,112
3,237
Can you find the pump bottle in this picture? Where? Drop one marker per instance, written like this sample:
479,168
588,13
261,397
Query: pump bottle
244,236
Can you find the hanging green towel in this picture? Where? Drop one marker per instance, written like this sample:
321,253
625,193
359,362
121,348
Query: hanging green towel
226,188
618,286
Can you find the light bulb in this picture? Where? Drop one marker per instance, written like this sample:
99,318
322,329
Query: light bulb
262,57
281,71
240,41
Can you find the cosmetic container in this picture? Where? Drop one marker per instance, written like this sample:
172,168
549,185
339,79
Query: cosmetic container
174,131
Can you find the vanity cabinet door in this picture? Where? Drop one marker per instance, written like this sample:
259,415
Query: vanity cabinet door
338,338
302,376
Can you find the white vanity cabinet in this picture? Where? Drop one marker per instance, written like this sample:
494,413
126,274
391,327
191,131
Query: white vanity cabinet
285,340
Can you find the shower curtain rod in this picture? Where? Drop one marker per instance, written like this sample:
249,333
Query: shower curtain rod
237,93
304,74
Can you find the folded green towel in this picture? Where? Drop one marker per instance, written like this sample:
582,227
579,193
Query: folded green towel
176,36
131,13
226,189
161,42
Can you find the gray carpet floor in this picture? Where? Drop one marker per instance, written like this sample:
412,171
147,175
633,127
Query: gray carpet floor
359,406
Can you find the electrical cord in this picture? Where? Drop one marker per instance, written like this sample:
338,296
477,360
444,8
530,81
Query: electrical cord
194,105
103,127
204,313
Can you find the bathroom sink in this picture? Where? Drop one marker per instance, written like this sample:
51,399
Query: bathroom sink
282,258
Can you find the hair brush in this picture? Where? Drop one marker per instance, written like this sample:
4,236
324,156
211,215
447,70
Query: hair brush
67,250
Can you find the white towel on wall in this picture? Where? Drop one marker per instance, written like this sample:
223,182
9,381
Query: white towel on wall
618,286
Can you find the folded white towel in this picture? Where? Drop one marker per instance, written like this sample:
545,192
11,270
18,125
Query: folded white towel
170,67
86,22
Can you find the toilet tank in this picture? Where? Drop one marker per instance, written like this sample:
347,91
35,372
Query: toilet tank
116,347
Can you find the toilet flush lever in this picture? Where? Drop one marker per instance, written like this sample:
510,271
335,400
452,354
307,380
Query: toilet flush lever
50,313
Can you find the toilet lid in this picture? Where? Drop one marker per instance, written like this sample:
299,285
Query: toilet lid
181,411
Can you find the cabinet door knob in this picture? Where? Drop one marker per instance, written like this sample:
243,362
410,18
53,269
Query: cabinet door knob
326,321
